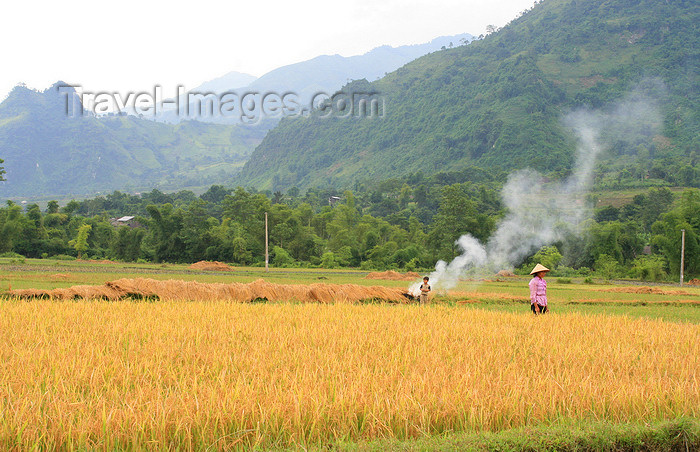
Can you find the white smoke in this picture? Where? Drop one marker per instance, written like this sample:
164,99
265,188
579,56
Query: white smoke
540,213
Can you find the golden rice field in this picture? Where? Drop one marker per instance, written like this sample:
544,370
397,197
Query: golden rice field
222,375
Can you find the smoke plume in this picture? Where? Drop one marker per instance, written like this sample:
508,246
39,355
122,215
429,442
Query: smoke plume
540,213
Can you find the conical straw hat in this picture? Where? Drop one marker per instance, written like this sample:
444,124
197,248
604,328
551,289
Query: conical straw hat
539,268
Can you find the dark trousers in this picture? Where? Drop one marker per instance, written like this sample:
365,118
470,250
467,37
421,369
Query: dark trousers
543,309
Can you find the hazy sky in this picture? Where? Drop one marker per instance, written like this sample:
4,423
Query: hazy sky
131,45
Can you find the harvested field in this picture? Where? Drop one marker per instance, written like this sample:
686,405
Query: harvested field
97,261
476,297
391,275
211,266
648,290
179,290
605,301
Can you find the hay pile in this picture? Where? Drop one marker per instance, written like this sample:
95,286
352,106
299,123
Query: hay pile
392,275
178,290
506,273
211,266
647,290
694,282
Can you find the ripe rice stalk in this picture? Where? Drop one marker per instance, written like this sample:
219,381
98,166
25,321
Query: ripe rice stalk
233,376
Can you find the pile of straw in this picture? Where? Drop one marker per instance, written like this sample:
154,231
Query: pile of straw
178,290
647,290
392,275
506,273
211,266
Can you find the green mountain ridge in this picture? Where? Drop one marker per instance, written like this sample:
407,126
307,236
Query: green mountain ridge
498,102
48,151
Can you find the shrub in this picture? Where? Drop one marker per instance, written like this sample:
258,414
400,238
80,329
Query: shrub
412,265
281,258
12,255
649,268
367,265
328,260
607,267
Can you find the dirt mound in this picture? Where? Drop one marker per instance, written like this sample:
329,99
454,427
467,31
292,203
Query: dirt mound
171,290
392,275
647,290
211,266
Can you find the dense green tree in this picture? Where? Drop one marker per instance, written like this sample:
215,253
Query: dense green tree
80,243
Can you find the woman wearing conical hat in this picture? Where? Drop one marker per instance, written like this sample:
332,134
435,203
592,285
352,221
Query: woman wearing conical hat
538,290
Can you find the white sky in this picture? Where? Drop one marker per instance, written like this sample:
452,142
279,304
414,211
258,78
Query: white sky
132,45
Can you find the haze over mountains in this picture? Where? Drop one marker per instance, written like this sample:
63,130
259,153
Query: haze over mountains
324,74
47,152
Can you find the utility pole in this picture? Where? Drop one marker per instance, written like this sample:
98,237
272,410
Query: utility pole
267,254
682,253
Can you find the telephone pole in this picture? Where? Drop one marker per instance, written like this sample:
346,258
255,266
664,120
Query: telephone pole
682,253
267,254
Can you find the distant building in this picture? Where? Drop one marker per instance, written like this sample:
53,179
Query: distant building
125,221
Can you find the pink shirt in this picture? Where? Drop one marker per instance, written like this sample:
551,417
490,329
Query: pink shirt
538,291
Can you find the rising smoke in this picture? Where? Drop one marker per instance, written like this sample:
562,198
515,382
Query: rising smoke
540,213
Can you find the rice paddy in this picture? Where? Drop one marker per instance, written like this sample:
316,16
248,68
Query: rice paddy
194,371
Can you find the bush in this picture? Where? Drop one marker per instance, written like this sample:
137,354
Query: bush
412,265
563,281
649,268
328,260
607,267
281,258
367,265
588,280
12,255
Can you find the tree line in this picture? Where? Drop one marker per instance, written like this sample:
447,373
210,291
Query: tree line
405,225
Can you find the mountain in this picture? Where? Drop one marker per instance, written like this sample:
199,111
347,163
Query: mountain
49,150
229,82
498,102
322,74
232,80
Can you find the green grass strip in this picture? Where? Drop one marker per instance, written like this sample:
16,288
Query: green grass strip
677,435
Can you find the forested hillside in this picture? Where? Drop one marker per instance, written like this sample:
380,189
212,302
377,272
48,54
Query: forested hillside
49,151
499,101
